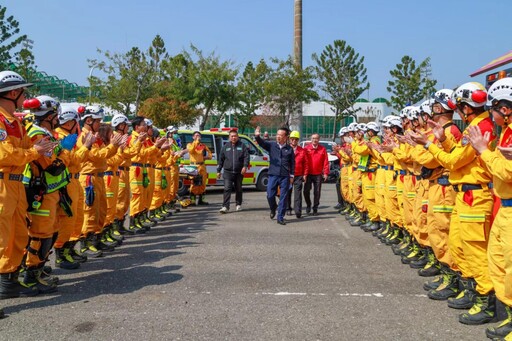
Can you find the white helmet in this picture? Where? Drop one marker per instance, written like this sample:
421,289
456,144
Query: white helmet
118,119
395,122
361,127
500,90
171,129
413,113
372,126
343,131
352,126
93,111
444,97
426,107
472,93
10,80
42,106
149,122
67,114
404,113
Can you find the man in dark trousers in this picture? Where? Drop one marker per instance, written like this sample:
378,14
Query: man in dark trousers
234,158
281,171
318,172
301,174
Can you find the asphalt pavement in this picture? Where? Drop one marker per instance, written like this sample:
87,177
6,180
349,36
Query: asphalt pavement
202,275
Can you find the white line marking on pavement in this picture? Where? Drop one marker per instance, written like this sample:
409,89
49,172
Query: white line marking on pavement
341,228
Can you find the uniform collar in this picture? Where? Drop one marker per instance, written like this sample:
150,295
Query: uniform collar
479,118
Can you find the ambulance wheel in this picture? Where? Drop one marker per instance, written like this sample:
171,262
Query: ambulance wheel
182,189
261,184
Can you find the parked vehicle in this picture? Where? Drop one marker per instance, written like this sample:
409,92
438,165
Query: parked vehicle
215,138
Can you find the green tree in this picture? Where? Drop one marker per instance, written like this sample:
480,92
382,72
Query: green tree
250,93
287,88
129,77
342,74
10,38
214,82
410,83
25,62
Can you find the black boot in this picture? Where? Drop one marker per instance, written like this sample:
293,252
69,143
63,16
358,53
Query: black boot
33,279
448,288
403,245
89,246
466,297
77,256
433,283
201,200
422,259
482,311
503,328
63,258
10,287
432,268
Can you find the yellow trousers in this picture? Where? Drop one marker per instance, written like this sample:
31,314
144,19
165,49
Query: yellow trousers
137,190
158,193
469,235
420,211
380,191
68,225
123,194
112,192
174,182
198,190
500,255
357,191
13,224
441,200
43,226
350,184
344,186
391,202
150,189
95,214
368,185
408,200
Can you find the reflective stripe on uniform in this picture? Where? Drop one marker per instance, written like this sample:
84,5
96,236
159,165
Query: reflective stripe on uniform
474,218
442,209
41,213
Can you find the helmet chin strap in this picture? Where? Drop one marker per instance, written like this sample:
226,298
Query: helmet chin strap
14,101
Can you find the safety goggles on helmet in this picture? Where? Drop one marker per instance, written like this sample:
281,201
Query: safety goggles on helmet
444,98
471,93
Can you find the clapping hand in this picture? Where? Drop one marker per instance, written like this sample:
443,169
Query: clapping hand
478,141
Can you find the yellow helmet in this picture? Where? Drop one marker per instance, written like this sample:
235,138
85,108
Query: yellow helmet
295,134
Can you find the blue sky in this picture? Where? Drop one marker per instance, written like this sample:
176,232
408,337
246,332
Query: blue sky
459,36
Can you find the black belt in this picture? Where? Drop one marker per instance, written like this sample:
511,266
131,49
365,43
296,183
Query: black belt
136,164
442,180
403,172
147,165
371,170
418,177
506,202
388,167
101,174
12,177
123,168
112,173
466,187
74,176
197,163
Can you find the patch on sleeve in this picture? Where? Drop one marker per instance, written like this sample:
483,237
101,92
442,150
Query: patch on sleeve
3,135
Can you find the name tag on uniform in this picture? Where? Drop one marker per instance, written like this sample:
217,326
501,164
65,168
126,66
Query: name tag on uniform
238,148
228,149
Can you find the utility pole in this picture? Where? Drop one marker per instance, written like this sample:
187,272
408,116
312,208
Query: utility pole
297,55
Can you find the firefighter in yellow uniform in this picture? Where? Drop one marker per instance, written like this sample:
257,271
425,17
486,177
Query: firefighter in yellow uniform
91,181
441,196
356,217
16,150
499,164
470,221
151,161
71,226
345,163
139,177
174,165
111,177
120,124
46,179
199,153
368,166
161,184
